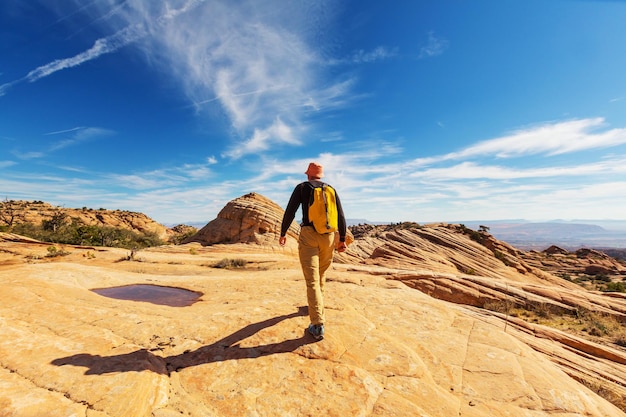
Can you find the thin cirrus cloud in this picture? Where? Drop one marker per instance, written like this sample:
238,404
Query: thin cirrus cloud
257,66
435,45
100,47
78,135
68,137
256,63
470,170
551,139
6,164
472,163
163,178
361,56
133,32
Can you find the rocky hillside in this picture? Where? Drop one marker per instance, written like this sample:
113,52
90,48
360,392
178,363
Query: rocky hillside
36,212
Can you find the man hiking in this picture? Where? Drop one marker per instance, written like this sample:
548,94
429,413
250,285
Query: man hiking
317,237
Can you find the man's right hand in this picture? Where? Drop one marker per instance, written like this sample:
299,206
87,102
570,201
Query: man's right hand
282,240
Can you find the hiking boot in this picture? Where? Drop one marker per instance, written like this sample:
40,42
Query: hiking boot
317,331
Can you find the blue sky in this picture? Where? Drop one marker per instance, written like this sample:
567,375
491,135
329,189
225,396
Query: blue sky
419,110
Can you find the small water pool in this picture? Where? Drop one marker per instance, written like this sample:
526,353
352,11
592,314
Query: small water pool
156,294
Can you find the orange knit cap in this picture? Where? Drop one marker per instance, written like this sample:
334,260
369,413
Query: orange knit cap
315,170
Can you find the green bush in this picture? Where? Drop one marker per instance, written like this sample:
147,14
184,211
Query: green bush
614,287
81,234
53,252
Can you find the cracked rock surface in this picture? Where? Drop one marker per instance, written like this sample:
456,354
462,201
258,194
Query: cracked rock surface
242,350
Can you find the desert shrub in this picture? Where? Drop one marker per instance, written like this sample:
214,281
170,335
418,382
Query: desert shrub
230,263
403,225
583,278
543,310
53,252
501,257
77,233
614,287
565,276
27,229
499,306
602,278
477,237
601,325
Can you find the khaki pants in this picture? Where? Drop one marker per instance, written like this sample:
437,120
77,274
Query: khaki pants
316,256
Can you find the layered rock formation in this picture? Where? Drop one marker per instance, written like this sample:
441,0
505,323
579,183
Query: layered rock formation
242,349
251,218
580,262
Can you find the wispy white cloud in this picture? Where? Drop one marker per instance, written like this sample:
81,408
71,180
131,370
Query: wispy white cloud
257,62
434,46
375,182
59,132
100,47
6,86
262,139
6,164
166,177
553,138
471,170
121,38
28,155
378,186
78,135
68,138
378,54
362,56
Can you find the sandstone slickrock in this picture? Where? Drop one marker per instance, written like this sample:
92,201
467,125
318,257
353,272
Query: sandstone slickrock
251,218
396,343
242,349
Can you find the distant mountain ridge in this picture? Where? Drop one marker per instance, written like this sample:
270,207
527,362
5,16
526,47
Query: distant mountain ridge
529,235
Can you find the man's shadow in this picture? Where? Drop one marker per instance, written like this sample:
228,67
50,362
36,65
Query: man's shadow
225,349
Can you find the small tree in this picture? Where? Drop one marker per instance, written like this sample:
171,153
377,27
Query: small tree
57,220
10,213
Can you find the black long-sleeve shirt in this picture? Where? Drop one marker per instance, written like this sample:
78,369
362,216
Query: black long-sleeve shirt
301,195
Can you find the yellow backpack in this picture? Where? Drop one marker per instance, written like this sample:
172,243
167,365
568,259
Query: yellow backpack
323,212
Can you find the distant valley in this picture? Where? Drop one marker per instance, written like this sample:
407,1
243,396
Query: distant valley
568,235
